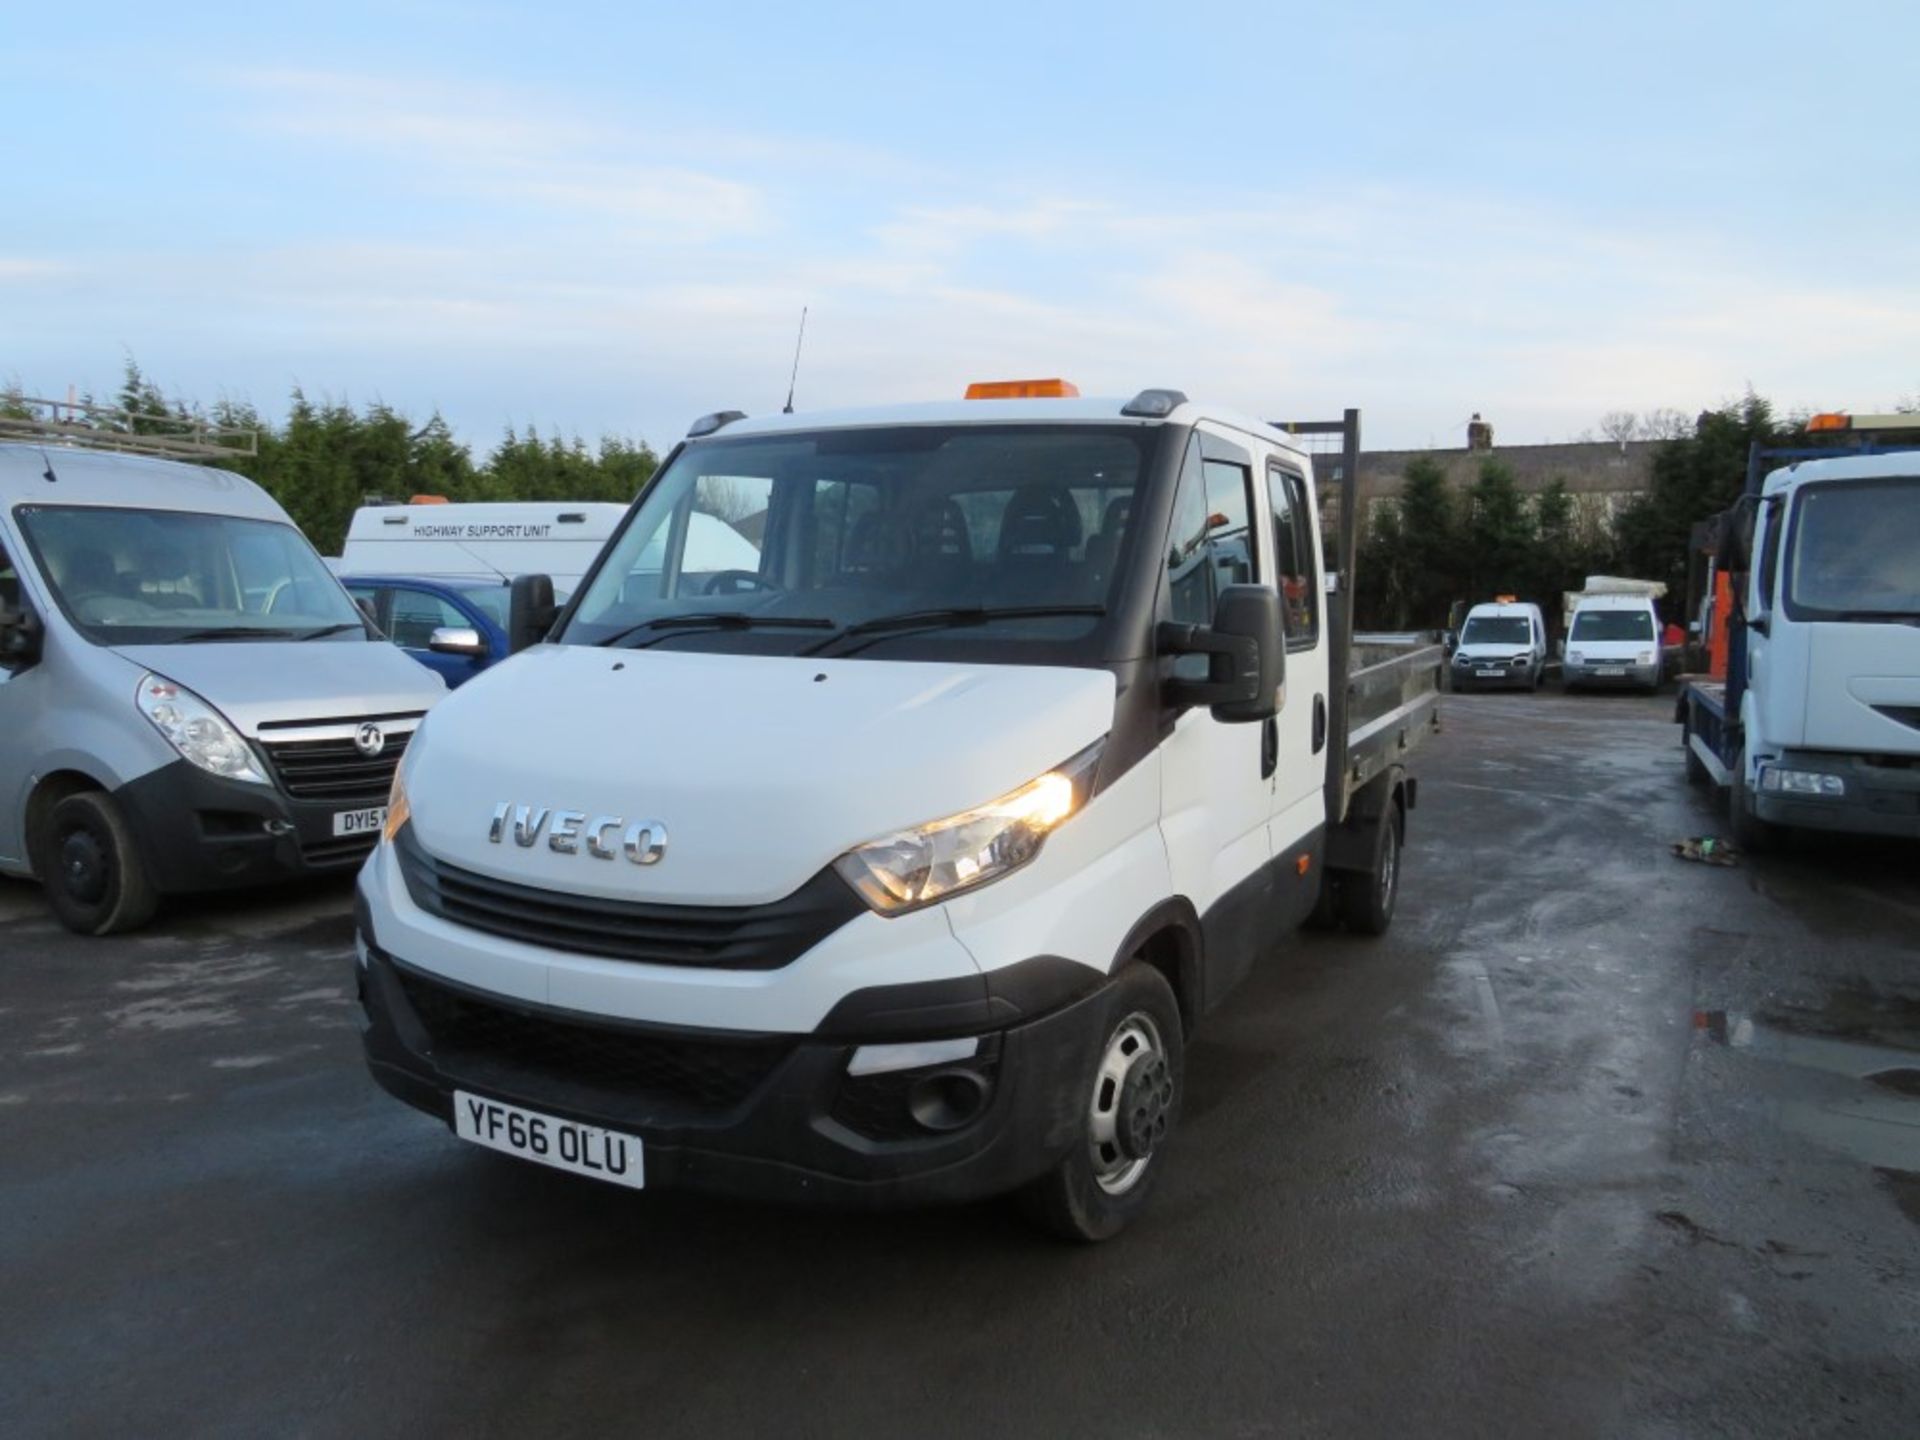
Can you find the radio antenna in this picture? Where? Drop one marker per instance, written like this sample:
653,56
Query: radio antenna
794,379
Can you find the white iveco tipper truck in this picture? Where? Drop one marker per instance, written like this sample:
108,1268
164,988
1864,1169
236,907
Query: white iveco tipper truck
897,865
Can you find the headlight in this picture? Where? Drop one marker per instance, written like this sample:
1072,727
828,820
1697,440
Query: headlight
198,731
1576,657
911,868
398,810
1646,657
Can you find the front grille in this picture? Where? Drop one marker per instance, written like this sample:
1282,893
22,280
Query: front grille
704,1074
333,770
731,937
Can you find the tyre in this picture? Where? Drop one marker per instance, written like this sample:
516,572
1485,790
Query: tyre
1750,832
1367,897
1130,1103
95,880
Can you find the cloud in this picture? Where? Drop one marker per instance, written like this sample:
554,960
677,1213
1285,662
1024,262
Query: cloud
519,257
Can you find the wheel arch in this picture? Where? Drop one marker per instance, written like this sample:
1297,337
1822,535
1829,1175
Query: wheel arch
1168,938
48,791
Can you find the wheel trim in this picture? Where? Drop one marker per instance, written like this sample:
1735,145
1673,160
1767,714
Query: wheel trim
1135,1041
1389,866
86,866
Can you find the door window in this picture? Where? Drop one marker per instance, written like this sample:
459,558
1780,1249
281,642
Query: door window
416,615
1296,572
9,583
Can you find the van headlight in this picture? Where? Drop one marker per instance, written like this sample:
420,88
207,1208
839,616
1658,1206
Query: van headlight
929,863
399,810
198,731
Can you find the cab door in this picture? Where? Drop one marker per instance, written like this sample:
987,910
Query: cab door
1299,777
412,615
1216,784
22,690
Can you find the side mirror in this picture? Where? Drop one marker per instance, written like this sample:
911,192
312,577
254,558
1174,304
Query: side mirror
457,640
530,611
1759,624
20,636
1246,650
365,604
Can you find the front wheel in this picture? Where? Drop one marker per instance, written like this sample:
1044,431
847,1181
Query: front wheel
95,880
1750,832
1131,1102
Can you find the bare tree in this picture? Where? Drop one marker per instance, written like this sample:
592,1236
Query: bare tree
1665,423
1620,426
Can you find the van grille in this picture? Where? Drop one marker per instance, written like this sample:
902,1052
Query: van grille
333,770
732,937
708,1074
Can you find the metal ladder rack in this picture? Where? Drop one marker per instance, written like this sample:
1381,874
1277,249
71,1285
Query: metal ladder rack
104,427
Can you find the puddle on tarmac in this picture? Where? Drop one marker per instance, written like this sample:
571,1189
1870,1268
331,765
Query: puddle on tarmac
1859,1055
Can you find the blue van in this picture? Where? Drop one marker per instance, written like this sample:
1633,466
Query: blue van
455,625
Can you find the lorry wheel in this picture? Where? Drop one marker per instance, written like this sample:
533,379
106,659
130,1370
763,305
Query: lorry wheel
1132,1100
1367,896
95,880
1750,832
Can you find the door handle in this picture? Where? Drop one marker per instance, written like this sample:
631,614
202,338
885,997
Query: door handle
1269,747
1319,723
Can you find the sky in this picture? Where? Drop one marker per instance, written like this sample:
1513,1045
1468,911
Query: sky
606,219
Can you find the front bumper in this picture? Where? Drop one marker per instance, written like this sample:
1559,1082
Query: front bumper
199,832
1640,677
1880,799
762,1116
1505,676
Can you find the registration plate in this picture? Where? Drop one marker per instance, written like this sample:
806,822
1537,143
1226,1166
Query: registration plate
548,1140
1488,674
1609,669
359,822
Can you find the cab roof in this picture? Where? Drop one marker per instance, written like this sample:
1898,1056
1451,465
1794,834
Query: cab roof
99,477
1844,467
1074,410
1614,602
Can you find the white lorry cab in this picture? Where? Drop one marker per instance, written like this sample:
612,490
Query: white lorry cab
1813,722
896,863
1503,645
190,701
1614,640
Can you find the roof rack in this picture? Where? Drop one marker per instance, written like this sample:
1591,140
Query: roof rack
102,427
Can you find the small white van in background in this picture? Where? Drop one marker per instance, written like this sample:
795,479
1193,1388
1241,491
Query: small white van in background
1614,640
1503,644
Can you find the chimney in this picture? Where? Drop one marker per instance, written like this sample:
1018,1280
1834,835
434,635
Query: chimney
1479,433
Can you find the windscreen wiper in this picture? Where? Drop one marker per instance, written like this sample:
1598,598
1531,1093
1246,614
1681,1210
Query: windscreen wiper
344,625
1899,617
869,632
235,632
712,620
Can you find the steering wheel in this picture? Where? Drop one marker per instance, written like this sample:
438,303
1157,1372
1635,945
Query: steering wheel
737,582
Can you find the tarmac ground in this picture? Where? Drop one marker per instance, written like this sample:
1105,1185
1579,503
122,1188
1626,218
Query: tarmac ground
1595,1142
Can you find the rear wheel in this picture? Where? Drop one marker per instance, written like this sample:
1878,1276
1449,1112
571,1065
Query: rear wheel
1131,1102
95,879
1367,897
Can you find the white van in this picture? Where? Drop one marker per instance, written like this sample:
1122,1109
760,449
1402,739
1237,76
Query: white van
896,865
1614,640
430,540
1502,645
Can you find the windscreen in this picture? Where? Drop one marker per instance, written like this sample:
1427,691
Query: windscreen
143,577
839,528
1855,551
1497,630
1612,625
